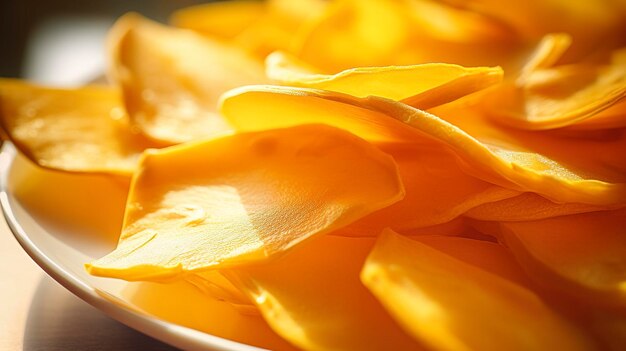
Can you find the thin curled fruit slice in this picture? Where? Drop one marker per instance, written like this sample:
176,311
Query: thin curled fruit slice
437,191
563,169
583,254
245,198
313,298
172,78
548,51
408,83
585,21
561,96
354,33
448,304
590,171
75,130
222,20
254,108
276,29
527,207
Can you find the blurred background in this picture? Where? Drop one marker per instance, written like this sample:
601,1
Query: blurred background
61,42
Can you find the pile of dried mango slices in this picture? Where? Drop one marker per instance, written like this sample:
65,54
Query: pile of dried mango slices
365,175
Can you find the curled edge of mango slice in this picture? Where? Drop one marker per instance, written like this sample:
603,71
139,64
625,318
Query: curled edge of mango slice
423,86
245,198
486,150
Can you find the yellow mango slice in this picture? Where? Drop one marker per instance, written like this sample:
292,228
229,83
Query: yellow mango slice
313,298
354,33
215,285
284,107
221,20
245,198
561,96
583,254
74,130
563,169
549,50
593,24
448,304
172,78
488,256
437,191
276,29
393,82
527,207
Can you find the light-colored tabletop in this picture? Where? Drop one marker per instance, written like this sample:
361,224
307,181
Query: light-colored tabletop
36,313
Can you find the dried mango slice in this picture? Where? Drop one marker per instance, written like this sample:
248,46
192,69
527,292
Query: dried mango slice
563,169
284,107
313,298
560,96
437,191
583,254
488,256
380,33
172,78
222,20
549,50
448,304
527,207
392,82
245,198
585,21
75,130
276,28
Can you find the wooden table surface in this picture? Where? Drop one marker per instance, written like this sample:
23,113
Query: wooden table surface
37,313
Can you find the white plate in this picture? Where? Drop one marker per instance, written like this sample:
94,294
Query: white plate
61,252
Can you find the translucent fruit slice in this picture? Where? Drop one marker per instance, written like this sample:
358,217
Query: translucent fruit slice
561,96
437,191
563,169
172,78
583,254
313,298
222,20
245,198
528,207
448,304
76,130
409,83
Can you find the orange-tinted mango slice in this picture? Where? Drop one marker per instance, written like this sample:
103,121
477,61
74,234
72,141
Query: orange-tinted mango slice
75,130
222,20
313,298
583,254
561,168
562,96
172,78
354,33
527,207
437,191
448,304
245,198
408,83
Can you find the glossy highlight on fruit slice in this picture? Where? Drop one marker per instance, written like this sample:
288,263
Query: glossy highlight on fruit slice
245,198
448,304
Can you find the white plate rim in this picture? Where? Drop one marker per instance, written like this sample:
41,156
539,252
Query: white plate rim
167,332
